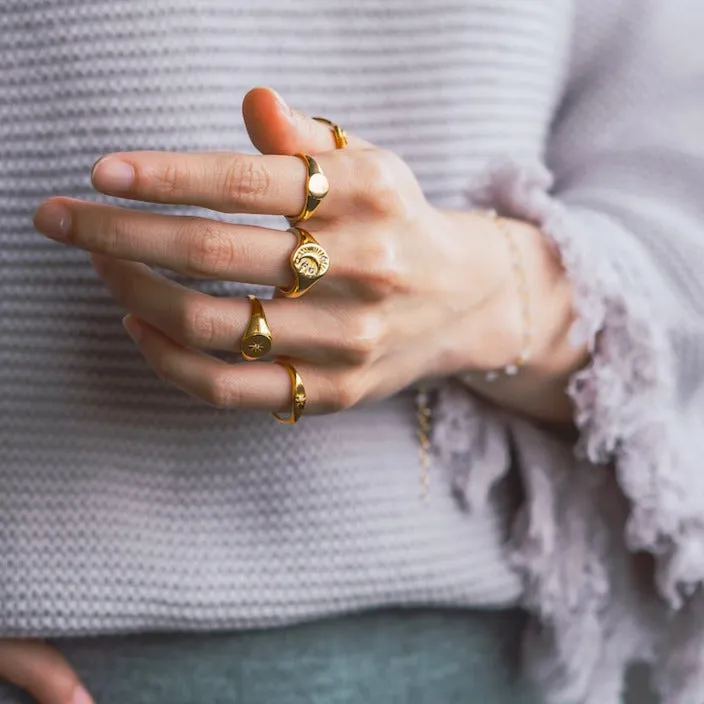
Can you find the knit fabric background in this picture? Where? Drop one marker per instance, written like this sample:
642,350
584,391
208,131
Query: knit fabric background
125,505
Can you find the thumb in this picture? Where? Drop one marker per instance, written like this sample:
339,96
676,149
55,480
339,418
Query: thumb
41,671
275,128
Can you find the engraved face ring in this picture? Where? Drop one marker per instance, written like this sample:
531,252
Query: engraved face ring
309,263
316,188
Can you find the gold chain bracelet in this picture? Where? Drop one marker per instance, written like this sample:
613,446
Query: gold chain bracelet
423,410
424,418
519,269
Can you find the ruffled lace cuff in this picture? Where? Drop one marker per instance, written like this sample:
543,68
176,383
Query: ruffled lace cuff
626,403
638,441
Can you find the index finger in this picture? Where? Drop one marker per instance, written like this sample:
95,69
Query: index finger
223,181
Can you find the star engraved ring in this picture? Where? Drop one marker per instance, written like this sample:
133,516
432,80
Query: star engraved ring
298,396
316,188
338,133
309,263
256,340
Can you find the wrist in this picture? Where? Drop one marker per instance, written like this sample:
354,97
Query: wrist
552,304
530,320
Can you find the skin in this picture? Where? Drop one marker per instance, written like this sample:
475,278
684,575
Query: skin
413,292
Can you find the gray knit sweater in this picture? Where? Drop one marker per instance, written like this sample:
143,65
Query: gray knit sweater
125,505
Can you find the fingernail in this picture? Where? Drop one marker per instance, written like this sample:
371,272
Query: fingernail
53,220
112,175
80,696
134,329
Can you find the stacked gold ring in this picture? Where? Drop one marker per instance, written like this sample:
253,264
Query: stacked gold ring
298,396
338,133
309,263
256,340
316,188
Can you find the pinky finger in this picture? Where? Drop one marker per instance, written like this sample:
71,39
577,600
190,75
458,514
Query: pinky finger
252,385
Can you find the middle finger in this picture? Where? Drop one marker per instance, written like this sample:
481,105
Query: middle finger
197,247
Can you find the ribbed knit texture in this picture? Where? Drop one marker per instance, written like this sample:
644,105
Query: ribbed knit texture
125,505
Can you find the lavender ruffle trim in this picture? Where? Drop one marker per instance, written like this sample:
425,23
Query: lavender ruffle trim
635,483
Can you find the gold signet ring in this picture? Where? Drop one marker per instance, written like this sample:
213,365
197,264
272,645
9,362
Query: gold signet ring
309,263
256,341
316,189
298,396
338,133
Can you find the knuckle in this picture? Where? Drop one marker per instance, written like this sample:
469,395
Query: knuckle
113,235
347,394
379,268
222,392
171,181
377,165
364,337
391,164
163,368
245,181
209,250
379,182
198,324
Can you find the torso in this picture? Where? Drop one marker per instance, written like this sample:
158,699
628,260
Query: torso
125,504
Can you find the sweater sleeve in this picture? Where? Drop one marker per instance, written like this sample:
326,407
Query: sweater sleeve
620,195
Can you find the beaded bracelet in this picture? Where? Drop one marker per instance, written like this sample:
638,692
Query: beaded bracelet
423,412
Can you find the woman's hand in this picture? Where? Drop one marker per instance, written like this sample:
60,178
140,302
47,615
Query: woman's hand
40,671
412,291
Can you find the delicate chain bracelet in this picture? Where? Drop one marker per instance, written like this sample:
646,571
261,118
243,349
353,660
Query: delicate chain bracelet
519,270
423,411
424,417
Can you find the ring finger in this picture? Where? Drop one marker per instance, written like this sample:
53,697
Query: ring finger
306,328
197,247
252,386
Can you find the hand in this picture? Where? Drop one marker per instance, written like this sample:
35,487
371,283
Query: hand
412,291
40,671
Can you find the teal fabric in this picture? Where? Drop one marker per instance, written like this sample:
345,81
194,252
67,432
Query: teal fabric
391,656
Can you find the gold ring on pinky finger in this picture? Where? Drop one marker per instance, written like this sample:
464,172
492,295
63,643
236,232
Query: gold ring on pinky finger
338,133
298,396
317,187
256,341
309,263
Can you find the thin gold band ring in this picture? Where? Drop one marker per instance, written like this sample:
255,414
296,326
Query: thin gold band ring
338,133
298,396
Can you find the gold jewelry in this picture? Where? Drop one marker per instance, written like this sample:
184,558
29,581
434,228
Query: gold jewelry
337,132
519,270
309,263
256,340
298,396
317,187
424,417
423,411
